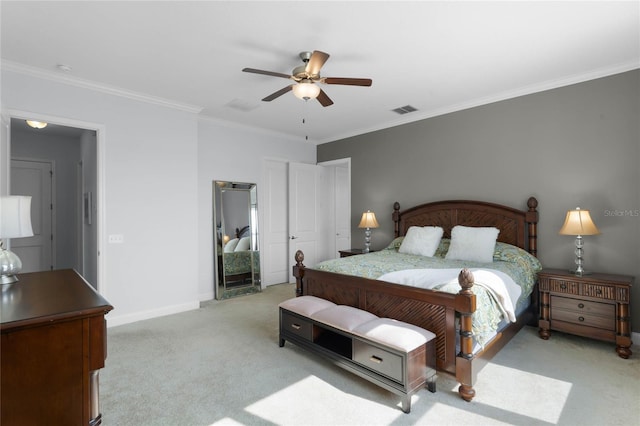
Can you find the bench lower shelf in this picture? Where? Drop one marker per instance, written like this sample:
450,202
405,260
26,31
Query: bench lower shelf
394,370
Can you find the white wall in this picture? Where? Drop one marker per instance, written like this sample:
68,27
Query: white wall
228,152
150,192
157,171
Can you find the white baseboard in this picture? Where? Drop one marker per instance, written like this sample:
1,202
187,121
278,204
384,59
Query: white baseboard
635,338
114,321
205,297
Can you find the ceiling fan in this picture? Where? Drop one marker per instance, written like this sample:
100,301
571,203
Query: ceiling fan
307,77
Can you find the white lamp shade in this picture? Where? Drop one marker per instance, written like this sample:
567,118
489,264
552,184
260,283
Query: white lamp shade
368,220
15,216
306,91
578,222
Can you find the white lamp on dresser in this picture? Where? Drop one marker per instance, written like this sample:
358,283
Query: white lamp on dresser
15,222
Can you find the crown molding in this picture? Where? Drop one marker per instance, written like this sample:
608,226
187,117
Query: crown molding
498,97
99,87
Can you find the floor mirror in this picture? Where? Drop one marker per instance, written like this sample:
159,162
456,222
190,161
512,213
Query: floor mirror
236,244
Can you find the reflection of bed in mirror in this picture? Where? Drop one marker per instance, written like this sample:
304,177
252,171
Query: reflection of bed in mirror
236,241
238,260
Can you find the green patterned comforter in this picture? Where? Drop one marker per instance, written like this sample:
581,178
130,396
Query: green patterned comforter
521,266
240,262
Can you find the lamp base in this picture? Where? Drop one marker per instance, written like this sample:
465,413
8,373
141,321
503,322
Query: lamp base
367,240
8,279
10,265
579,273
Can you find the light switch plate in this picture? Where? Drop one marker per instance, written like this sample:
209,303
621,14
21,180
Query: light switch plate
116,238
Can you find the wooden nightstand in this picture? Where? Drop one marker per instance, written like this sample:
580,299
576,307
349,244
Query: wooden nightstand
352,252
594,305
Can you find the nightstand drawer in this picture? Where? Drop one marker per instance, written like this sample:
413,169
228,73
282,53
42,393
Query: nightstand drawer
600,291
564,286
584,319
296,325
378,359
583,306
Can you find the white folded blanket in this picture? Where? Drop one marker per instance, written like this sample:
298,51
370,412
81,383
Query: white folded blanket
503,289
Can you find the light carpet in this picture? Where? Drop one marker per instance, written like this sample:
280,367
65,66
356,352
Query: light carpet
221,365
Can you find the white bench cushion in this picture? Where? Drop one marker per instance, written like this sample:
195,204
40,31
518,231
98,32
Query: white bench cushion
397,334
306,305
343,317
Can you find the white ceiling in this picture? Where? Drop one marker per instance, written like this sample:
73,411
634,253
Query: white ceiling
435,56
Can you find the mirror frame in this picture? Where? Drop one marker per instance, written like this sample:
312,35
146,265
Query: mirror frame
243,281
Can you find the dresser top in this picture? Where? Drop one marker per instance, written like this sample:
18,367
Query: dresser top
48,296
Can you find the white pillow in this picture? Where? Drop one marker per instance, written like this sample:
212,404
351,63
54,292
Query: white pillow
243,245
231,245
472,244
422,241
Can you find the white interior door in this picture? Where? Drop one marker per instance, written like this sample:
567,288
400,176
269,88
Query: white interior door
274,232
305,213
34,178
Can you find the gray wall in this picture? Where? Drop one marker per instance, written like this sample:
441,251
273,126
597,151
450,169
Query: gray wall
578,145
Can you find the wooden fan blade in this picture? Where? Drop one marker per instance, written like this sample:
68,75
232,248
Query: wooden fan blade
316,62
271,73
278,93
324,99
348,81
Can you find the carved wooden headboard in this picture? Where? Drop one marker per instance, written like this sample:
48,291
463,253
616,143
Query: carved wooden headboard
517,227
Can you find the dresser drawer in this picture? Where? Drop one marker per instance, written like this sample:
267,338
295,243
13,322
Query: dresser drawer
296,325
583,306
379,360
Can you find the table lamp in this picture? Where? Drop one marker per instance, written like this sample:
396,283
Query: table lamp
368,221
578,222
15,222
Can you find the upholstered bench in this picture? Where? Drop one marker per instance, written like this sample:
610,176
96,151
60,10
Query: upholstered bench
395,355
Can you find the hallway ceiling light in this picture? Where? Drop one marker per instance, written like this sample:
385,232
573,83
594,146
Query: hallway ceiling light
37,124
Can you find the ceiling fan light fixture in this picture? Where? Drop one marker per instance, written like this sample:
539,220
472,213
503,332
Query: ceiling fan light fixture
36,124
306,90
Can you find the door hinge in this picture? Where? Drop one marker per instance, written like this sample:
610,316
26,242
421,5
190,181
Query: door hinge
51,206
51,173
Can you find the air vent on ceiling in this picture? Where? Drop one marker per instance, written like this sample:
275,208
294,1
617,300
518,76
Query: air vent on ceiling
404,110
242,105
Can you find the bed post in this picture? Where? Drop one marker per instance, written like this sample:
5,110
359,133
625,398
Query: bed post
465,306
396,219
298,272
532,221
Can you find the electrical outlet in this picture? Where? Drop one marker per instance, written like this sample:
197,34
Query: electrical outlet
116,239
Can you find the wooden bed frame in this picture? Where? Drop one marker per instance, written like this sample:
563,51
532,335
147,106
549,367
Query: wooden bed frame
433,310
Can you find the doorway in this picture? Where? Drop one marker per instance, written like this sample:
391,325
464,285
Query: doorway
306,207
70,207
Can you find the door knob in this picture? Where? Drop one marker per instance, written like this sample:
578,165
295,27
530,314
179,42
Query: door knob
293,237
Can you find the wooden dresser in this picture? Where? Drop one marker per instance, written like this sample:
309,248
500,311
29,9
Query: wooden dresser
54,341
594,305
